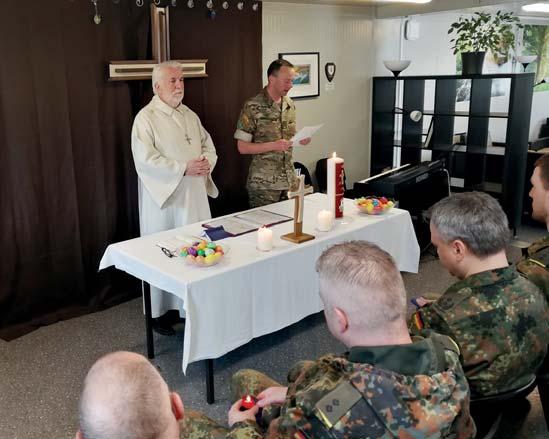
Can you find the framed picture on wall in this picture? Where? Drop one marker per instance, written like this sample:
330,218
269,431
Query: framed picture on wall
307,74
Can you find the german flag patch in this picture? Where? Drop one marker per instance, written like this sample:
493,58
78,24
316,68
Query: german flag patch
418,321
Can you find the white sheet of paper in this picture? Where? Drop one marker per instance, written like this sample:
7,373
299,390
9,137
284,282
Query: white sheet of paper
305,132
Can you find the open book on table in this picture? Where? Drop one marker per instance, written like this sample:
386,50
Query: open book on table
246,222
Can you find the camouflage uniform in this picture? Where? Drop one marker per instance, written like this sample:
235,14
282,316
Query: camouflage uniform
271,173
534,267
416,390
196,425
499,321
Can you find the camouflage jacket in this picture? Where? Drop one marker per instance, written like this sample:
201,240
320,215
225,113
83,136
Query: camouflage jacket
499,321
535,265
262,120
415,390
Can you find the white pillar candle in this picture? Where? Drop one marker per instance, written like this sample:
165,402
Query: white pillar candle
264,239
325,220
335,185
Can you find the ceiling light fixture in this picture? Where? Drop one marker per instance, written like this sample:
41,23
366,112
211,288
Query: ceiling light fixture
536,7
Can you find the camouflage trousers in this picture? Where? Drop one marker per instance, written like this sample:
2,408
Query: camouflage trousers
262,197
196,425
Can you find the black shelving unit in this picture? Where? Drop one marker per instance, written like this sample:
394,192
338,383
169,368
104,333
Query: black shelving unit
499,170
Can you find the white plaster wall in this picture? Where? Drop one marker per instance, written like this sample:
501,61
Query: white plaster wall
343,35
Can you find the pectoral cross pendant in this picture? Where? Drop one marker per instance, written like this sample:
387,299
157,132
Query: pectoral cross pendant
188,139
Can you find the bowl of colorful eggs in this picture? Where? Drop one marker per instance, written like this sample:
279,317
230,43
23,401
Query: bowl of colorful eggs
374,205
202,253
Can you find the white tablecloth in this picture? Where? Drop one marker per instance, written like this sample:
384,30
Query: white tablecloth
252,293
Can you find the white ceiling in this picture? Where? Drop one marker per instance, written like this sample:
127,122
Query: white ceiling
388,8
460,3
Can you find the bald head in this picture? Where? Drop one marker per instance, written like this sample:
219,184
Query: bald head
125,397
363,281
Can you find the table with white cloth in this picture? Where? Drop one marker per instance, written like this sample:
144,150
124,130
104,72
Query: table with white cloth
251,293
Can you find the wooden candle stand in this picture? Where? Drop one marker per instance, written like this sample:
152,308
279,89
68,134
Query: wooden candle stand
297,236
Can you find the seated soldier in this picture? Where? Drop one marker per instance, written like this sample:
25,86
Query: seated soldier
386,385
498,318
534,266
125,397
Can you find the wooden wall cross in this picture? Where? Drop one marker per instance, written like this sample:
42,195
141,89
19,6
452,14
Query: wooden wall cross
299,196
142,69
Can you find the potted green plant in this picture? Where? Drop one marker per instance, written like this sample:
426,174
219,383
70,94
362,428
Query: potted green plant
481,32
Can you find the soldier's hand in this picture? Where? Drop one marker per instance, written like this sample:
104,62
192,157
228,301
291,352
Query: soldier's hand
235,415
305,141
199,166
272,395
422,301
281,145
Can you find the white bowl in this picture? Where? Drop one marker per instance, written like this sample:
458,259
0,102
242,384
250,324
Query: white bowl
526,59
397,66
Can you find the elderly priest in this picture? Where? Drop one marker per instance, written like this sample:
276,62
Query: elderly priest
174,157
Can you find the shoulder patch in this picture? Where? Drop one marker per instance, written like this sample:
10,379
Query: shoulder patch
333,406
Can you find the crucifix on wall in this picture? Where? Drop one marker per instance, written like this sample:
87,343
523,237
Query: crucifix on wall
142,69
297,236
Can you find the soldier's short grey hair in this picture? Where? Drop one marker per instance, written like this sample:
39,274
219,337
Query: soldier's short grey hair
364,281
475,218
160,69
124,399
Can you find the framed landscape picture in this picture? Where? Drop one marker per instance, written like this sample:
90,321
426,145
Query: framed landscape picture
307,74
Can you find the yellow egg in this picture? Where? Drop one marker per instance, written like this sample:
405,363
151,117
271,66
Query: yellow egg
209,260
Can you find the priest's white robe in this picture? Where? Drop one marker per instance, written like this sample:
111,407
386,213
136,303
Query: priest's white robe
163,140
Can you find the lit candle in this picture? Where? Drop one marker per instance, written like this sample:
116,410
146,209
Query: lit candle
264,239
335,185
248,402
325,220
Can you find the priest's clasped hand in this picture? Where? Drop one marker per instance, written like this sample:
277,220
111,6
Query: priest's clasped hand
199,166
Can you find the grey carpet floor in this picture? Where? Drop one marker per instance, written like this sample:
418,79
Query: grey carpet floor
41,373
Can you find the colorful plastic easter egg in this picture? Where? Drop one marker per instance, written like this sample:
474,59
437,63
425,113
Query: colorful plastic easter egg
211,245
209,260
201,252
208,252
199,260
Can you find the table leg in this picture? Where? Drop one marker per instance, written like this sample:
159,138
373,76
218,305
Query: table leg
148,319
210,391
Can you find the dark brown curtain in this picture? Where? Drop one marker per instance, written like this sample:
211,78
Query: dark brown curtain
67,184
232,44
